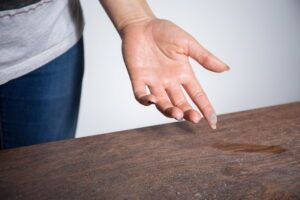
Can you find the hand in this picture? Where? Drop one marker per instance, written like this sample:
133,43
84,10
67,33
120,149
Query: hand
156,55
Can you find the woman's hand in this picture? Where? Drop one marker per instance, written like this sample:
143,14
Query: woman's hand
156,53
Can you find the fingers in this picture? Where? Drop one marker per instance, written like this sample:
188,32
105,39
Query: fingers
164,105
199,97
170,102
140,93
178,100
205,58
158,97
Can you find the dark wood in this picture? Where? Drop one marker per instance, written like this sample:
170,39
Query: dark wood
252,155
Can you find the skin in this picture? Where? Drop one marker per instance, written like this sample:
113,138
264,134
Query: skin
156,53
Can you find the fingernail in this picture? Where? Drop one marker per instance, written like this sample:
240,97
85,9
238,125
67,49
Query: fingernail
213,120
213,126
179,119
227,68
196,120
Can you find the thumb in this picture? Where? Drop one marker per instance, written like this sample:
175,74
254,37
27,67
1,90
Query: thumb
205,58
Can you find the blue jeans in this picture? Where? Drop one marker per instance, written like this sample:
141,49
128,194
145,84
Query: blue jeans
43,105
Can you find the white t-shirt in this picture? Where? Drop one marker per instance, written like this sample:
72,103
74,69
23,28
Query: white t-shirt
35,34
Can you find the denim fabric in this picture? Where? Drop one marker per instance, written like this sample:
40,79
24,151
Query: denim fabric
43,105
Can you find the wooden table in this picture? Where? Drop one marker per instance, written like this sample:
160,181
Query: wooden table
252,155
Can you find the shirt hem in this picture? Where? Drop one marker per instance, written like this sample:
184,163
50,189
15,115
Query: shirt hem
39,60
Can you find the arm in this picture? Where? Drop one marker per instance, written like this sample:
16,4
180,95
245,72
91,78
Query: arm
156,55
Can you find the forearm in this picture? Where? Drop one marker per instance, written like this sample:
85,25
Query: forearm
125,12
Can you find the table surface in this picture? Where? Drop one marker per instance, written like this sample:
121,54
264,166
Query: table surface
252,155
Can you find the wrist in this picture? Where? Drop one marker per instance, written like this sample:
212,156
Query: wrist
128,22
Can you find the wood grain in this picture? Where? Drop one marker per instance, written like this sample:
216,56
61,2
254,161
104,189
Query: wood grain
252,155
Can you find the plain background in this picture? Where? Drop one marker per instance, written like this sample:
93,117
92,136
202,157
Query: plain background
259,40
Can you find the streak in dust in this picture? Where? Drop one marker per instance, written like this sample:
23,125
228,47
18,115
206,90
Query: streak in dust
249,148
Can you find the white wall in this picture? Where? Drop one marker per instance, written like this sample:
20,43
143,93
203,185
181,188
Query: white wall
260,40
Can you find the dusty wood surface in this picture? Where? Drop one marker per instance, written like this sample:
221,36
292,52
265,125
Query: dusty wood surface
253,155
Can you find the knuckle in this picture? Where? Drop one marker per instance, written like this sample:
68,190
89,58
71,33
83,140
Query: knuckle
168,109
199,94
206,58
206,107
137,96
180,103
139,99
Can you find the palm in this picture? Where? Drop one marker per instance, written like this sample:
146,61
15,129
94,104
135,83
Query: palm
156,55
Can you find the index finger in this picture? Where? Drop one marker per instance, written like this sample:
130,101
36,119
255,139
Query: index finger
199,97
